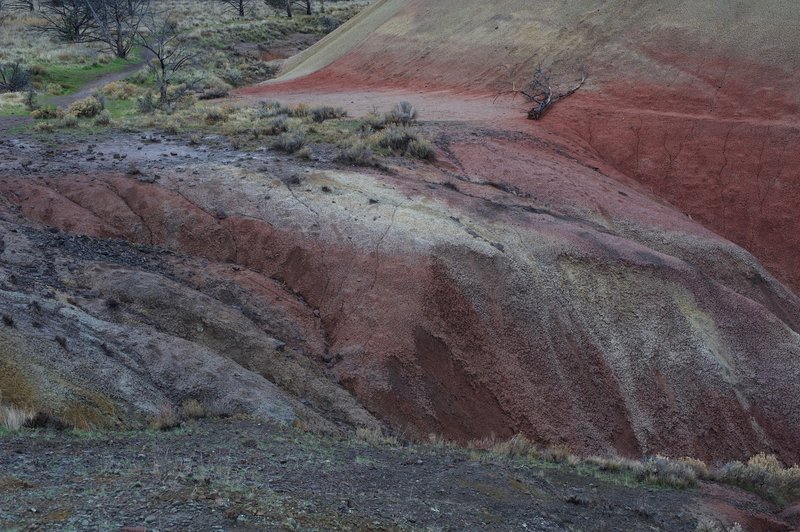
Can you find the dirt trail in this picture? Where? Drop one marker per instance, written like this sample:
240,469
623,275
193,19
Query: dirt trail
9,122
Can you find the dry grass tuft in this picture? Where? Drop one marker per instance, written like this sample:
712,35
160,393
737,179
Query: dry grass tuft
192,409
166,419
13,418
376,437
120,90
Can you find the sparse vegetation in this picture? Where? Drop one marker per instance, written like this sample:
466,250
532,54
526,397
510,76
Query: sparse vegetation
289,142
357,154
166,419
192,409
765,475
13,418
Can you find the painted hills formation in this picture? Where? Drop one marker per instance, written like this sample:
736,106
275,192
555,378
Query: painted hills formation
620,276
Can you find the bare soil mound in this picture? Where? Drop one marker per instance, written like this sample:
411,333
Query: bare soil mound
463,303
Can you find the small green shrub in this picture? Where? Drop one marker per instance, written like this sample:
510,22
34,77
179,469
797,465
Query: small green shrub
146,103
46,113
662,471
215,115
44,127
269,109
119,90
396,138
765,475
67,122
373,122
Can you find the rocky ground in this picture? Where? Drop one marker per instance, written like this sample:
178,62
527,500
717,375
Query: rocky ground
240,474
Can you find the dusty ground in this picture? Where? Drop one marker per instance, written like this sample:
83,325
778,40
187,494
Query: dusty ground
244,475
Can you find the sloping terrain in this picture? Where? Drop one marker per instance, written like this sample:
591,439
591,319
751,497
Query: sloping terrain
529,281
443,304
696,100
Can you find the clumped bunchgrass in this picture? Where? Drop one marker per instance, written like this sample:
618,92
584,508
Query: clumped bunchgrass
167,418
376,437
289,142
13,417
357,154
193,409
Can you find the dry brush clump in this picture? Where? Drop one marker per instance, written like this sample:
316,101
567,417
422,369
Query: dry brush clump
87,107
193,409
14,418
167,418
356,154
765,475
376,437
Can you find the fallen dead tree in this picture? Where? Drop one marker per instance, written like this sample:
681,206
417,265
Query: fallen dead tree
539,91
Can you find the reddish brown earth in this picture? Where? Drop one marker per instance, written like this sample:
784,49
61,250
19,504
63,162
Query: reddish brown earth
703,119
566,279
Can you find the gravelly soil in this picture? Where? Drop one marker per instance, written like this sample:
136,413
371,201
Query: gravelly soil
239,474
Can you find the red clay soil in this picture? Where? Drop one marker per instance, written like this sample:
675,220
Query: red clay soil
697,108
702,110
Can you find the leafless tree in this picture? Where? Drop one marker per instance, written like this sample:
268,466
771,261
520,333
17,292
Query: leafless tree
70,20
14,77
541,93
117,22
288,5
171,54
239,5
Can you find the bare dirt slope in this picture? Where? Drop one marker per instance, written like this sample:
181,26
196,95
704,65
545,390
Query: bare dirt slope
444,303
696,100
526,282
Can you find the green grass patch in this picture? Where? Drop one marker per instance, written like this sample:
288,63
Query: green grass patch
71,77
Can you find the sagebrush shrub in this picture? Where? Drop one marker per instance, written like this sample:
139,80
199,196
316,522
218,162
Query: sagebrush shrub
289,142
357,154
403,113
